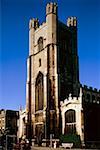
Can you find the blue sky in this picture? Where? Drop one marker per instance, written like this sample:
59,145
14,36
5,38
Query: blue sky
14,20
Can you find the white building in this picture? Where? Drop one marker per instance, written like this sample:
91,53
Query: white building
22,124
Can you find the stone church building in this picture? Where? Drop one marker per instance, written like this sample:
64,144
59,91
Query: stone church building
56,102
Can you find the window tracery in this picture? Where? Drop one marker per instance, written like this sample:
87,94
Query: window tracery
70,122
39,92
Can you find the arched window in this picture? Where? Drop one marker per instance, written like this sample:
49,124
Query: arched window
70,122
40,43
88,97
39,92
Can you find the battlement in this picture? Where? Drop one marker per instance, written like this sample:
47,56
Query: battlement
72,99
51,8
72,22
90,88
41,26
34,23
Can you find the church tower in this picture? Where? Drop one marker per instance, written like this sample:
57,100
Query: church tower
52,72
42,80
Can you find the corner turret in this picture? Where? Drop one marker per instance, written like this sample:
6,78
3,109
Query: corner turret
34,23
72,22
51,8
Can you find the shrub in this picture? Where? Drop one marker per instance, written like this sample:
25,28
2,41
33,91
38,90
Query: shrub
71,138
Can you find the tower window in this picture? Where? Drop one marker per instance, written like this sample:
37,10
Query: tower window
39,92
39,62
40,44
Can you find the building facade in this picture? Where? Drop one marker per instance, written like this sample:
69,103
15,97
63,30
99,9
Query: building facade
8,121
8,127
52,75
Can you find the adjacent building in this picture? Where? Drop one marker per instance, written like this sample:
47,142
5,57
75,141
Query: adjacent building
8,121
80,115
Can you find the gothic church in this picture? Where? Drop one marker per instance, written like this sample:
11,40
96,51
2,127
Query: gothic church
56,102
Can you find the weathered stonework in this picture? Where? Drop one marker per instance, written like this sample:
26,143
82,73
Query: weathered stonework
47,46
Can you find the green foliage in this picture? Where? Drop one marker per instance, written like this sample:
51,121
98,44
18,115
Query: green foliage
71,138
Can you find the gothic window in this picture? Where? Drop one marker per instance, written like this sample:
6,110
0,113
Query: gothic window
70,122
40,43
39,92
88,97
